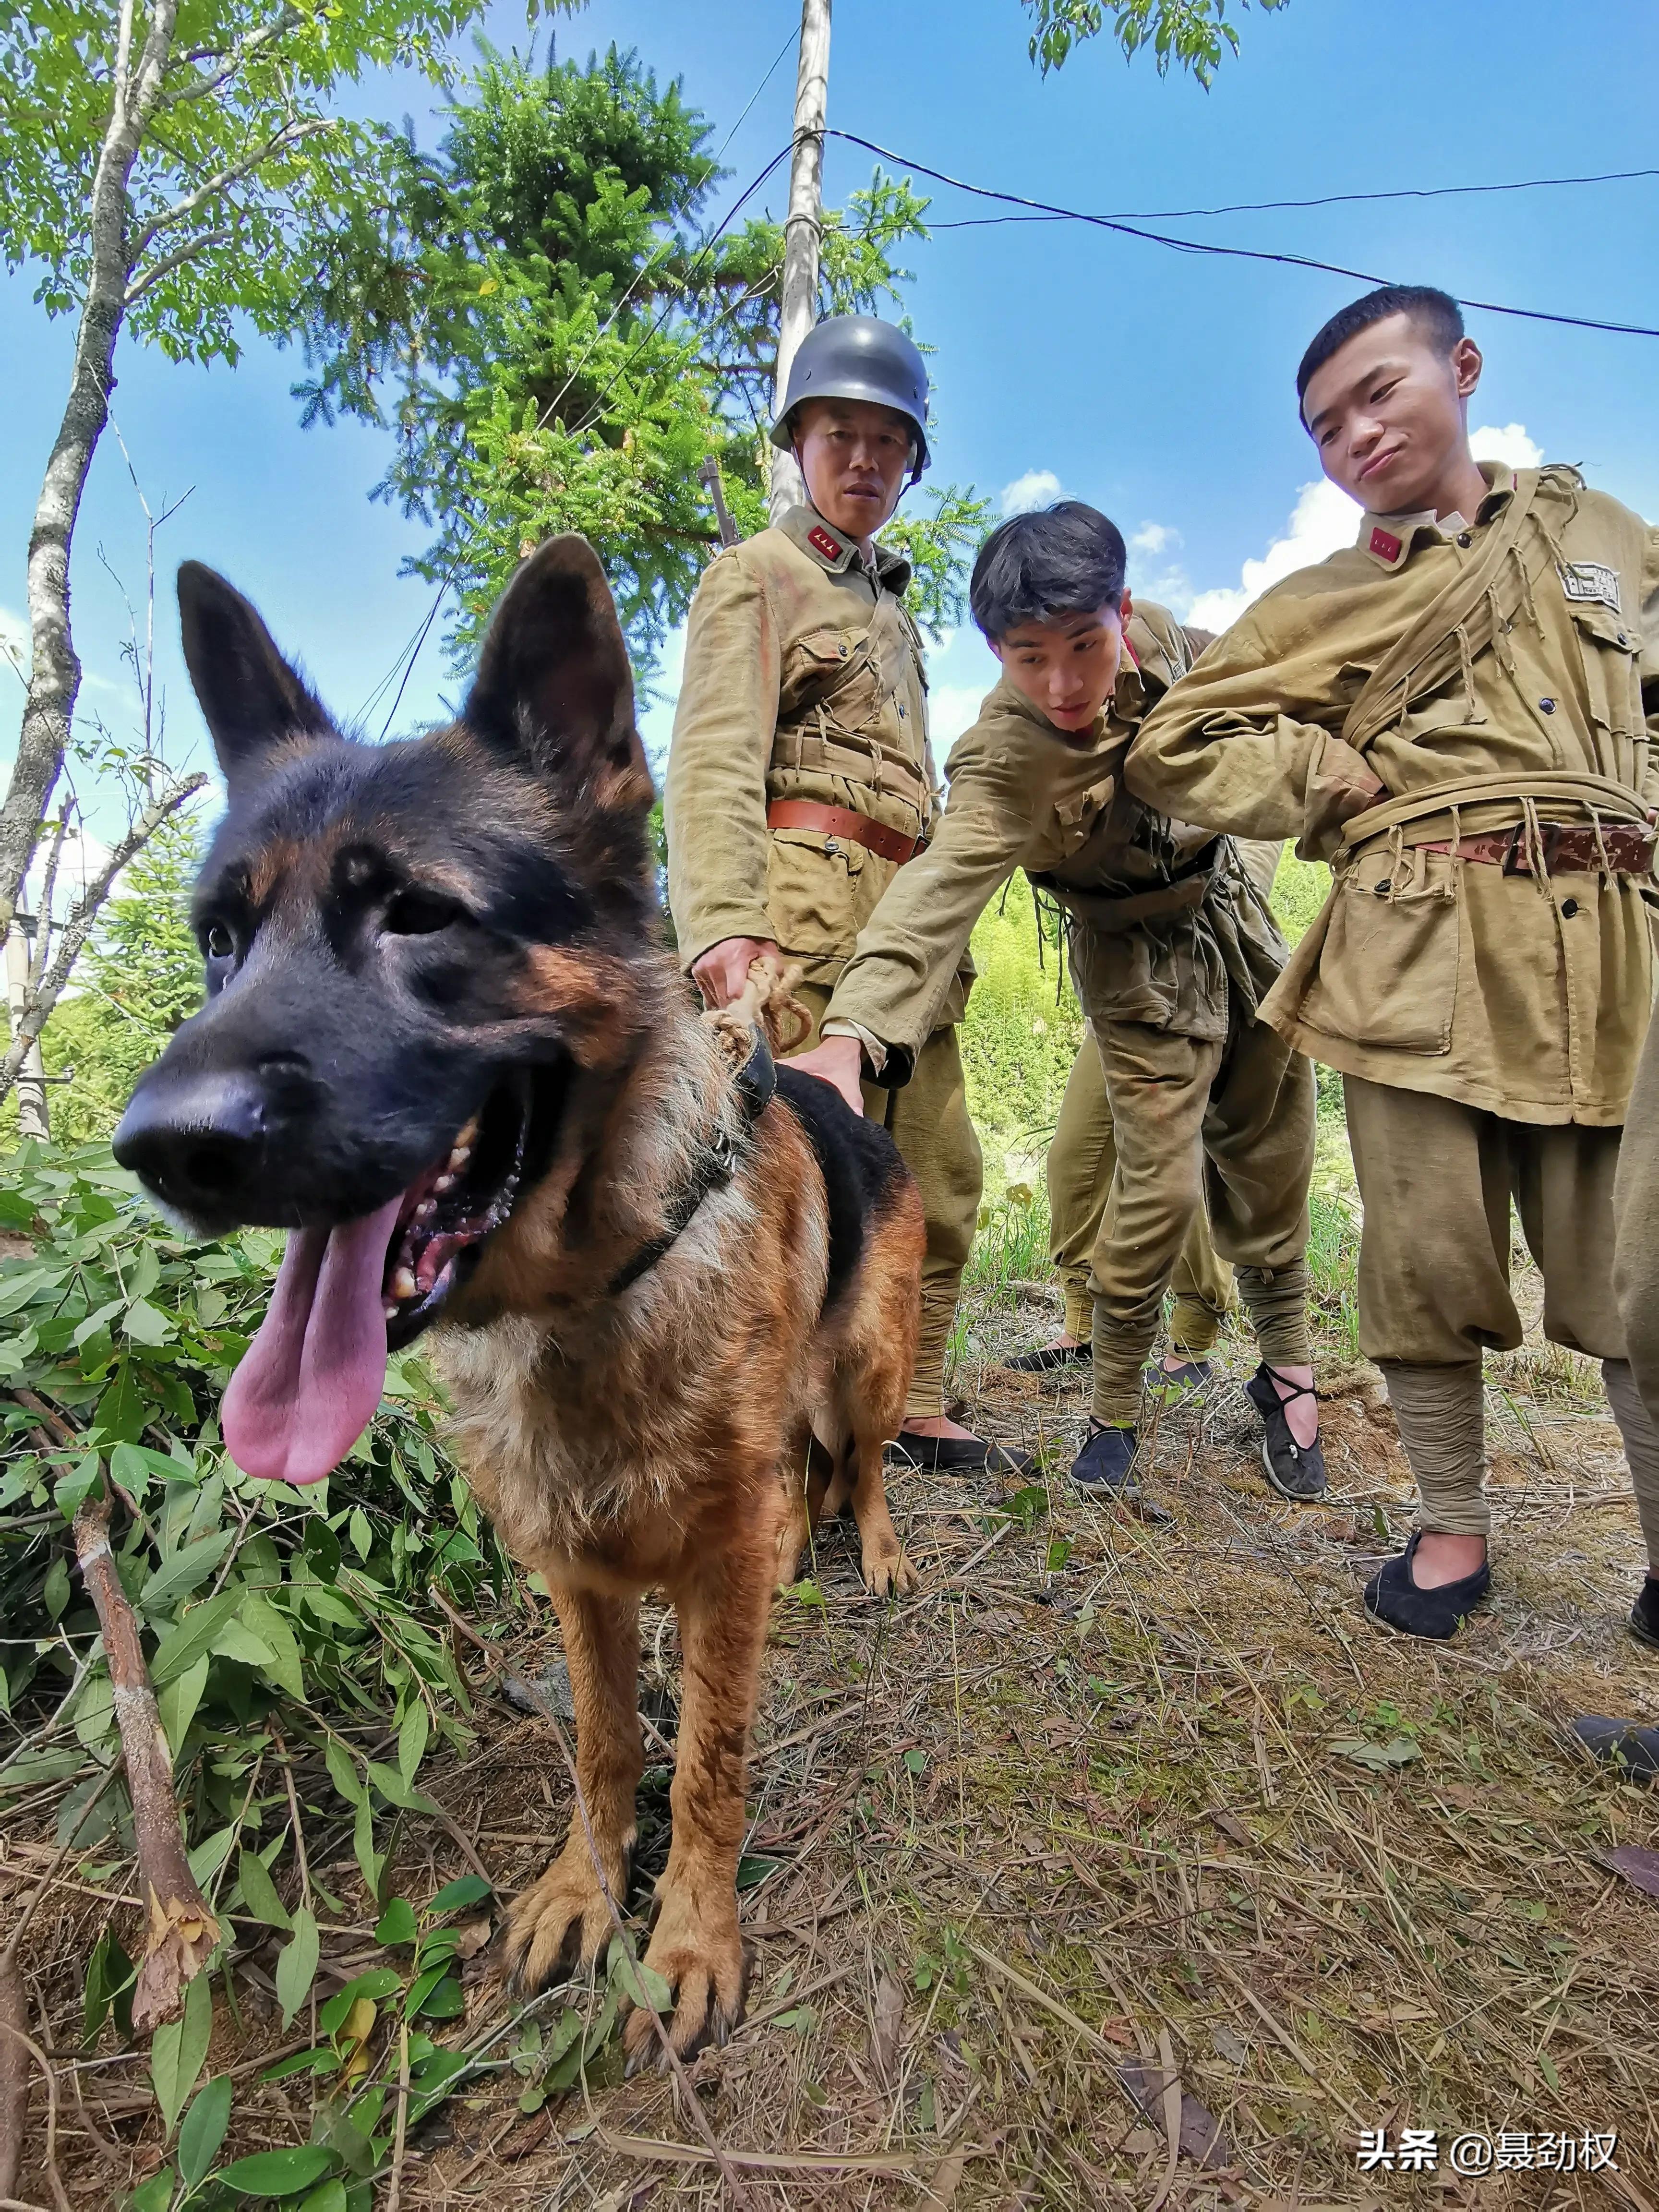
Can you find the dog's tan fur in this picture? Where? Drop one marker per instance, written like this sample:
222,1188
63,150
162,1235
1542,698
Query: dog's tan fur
619,1445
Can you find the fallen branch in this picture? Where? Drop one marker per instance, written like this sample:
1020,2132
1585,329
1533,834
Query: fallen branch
14,2073
15,2036
182,1932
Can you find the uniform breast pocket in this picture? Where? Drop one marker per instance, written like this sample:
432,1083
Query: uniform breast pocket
1078,818
813,893
1387,967
831,667
1612,649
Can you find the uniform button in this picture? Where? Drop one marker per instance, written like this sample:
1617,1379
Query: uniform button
1569,908
1546,706
1465,540
1381,889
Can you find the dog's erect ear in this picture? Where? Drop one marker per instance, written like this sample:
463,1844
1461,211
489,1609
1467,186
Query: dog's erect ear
554,685
250,697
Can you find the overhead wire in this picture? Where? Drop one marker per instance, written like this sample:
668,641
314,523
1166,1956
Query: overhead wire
1326,199
1228,252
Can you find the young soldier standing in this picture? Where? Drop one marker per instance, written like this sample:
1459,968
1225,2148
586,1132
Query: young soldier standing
1172,947
1452,713
800,780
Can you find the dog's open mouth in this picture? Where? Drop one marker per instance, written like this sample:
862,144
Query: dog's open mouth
445,1215
310,1382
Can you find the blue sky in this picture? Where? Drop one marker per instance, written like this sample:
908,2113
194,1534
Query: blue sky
1156,384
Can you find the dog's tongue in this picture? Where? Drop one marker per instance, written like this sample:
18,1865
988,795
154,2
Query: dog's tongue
311,1380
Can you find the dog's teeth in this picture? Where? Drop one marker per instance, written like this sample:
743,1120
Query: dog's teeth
425,1210
403,1285
444,1182
390,1310
459,1158
469,1135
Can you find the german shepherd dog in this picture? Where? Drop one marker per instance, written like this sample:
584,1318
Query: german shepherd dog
443,1045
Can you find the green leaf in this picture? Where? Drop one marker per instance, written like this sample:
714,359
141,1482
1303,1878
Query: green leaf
378,1982
55,1590
271,1626
72,1489
110,1977
395,1791
444,2001
147,1324
186,1571
330,2197
155,2194
343,1772
203,2130
176,1702
177,2051
753,1869
411,1738
191,1635
278,2173
260,1892
206,1859
362,1539
296,1970
469,1889
396,1923
371,1863
122,1414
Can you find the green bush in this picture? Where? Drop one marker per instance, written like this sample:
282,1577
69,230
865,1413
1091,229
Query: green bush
1022,1032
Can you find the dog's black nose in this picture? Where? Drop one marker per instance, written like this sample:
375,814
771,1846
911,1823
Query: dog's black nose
197,1140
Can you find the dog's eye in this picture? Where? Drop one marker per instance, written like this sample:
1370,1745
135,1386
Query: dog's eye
417,912
218,943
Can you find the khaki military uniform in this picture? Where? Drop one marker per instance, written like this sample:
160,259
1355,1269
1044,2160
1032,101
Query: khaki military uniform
804,680
1488,1017
1172,950
1082,1163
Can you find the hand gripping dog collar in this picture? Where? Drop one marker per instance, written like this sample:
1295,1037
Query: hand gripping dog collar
755,1083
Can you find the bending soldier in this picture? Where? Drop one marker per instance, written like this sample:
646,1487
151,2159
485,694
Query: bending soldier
1081,1165
1171,947
800,781
1452,712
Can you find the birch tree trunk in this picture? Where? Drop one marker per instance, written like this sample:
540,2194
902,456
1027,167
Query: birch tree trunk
55,668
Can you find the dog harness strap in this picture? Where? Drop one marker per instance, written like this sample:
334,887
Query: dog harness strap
755,1082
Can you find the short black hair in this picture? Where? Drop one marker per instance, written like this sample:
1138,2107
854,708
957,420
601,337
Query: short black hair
1437,315
1068,559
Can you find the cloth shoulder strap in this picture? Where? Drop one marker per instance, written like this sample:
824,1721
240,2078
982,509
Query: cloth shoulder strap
1458,622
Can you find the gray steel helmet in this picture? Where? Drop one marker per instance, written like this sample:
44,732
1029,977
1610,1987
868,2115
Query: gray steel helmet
858,357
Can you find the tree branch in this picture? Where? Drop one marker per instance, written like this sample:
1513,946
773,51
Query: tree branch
182,1931
177,259
290,134
40,1000
205,83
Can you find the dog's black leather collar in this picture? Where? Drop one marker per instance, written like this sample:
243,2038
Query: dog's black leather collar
755,1083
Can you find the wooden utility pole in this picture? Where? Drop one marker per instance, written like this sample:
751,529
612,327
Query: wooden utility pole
802,228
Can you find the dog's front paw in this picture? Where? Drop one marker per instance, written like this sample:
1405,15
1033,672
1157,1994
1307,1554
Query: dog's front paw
698,1952
561,1922
887,1571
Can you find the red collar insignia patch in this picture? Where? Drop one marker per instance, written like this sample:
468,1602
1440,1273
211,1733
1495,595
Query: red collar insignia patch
1384,544
821,542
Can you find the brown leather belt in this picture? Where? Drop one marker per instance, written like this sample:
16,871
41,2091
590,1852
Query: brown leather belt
841,822
1568,849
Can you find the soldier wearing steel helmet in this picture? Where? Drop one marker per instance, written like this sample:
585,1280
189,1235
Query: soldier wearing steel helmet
800,779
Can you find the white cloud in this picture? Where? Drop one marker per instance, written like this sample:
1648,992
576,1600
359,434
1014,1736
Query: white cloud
1323,521
1510,445
1154,538
1037,487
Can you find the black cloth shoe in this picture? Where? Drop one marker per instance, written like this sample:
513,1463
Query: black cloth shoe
1172,1384
1107,1460
1645,1613
1050,1355
1621,1743
1395,1599
1296,1471
958,1455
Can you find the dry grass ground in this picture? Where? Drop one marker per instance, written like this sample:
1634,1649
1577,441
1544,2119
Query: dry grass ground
1124,1864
